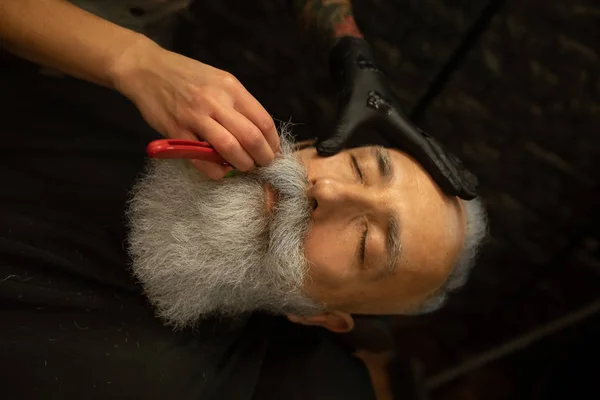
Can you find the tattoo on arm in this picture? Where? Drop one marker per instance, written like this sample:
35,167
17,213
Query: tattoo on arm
331,19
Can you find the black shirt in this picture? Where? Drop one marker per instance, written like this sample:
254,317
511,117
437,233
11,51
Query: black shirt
74,323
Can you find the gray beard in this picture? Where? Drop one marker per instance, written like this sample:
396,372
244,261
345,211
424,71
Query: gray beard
202,247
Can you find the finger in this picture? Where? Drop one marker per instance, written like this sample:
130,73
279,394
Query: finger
212,170
248,135
209,169
225,143
346,126
330,146
249,107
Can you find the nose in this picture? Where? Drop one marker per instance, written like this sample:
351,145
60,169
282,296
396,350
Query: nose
331,198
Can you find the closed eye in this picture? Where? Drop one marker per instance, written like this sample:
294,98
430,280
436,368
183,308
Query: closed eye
356,168
363,245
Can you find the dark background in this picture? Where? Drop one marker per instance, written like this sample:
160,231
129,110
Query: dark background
512,87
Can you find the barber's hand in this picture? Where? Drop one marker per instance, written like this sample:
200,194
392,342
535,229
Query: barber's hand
365,99
185,99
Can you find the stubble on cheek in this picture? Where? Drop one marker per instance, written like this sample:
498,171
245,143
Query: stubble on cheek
325,278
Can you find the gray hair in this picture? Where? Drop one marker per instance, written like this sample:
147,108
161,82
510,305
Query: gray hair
201,248
476,232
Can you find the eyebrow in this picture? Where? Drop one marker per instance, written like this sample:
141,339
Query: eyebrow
384,163
393,244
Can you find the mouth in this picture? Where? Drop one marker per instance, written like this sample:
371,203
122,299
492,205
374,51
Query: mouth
271,197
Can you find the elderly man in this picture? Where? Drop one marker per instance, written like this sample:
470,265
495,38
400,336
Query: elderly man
309,239
318,239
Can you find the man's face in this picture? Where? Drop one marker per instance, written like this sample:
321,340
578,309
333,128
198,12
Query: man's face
382,236
364,231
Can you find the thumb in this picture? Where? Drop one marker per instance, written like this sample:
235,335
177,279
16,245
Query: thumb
344,130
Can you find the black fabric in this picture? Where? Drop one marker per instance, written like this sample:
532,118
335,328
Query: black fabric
74,324
301,365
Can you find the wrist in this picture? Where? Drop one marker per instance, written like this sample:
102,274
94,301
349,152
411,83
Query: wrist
346,27
327,20
127,64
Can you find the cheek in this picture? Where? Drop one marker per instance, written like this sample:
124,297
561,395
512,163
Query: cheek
330,253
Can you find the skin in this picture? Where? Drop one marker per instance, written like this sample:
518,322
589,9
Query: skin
179,97
432,231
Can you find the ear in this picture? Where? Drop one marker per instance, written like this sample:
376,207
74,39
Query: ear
334,321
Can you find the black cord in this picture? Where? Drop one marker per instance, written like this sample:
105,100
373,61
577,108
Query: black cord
472,35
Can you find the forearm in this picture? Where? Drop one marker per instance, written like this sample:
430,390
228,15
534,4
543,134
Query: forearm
60,35
327,19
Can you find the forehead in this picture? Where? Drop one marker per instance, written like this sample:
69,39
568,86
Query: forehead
432,232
